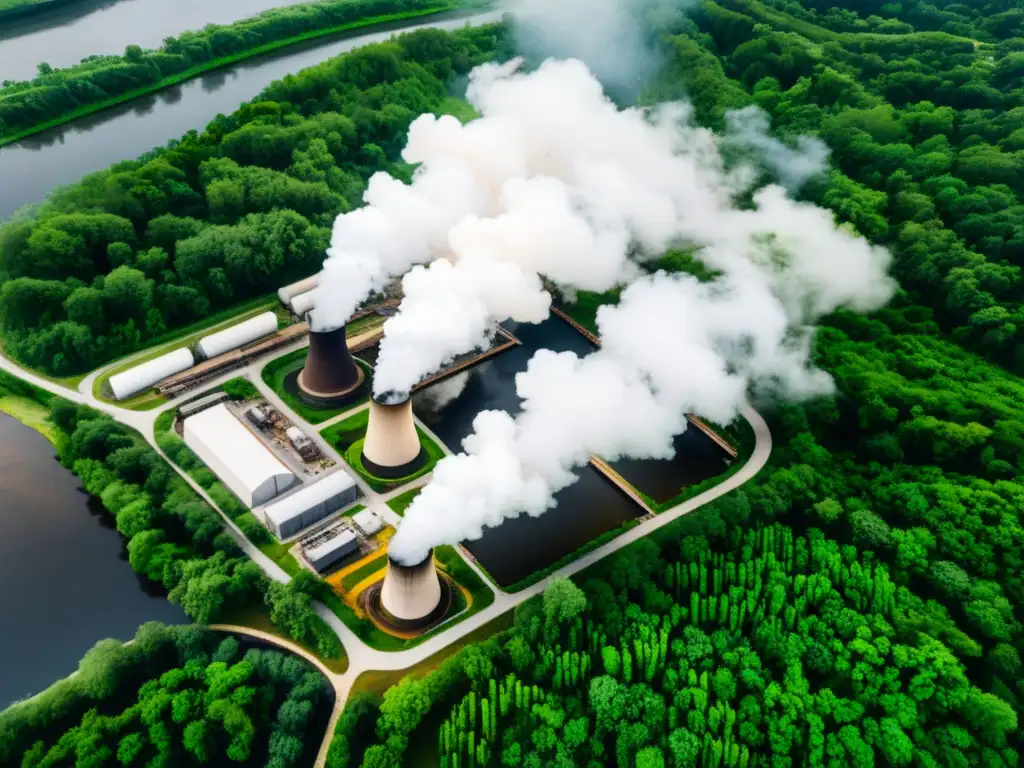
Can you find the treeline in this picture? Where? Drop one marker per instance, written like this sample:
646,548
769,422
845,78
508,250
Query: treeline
175,696
927,139
175,538
56,93
218,217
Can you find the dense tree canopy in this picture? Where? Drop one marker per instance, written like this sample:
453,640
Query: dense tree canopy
118,260
177,696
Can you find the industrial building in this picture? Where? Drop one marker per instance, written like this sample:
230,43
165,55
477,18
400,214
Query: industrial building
367,521
303,304
237,335
325,551
145,375
392,446
330,372
310,504
200,405
237,456
303,446
288,293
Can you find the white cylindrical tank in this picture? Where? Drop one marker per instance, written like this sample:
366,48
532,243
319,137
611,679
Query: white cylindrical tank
391,440
411,592
144,376
289,292
303,303
237,335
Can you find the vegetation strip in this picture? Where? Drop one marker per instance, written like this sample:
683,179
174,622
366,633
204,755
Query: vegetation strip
219,63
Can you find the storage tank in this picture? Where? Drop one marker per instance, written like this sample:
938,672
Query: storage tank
302,304
392,446
289,292
237,335
145,375
331,371
410,592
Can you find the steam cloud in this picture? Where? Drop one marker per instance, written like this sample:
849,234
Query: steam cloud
750,127
673,345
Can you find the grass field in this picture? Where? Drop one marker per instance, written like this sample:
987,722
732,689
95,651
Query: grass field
370,568
401,502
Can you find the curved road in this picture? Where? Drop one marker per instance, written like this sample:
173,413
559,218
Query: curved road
361,656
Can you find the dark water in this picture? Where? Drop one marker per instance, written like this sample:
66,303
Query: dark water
65,581
584,510
33,167
66,35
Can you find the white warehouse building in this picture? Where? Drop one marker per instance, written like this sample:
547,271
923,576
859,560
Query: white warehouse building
289,292
303,303
237,335
310,504
237,456
145,375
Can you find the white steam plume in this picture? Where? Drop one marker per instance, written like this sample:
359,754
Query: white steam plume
750,128
671,346
615,183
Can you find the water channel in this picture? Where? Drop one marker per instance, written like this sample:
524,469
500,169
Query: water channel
585,510
33,167
65,581
66,35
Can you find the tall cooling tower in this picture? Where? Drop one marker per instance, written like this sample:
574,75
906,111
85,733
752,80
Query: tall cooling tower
411,592
392,447
330,370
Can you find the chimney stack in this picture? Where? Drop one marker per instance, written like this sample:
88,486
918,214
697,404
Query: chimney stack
392,446
331,371
411,593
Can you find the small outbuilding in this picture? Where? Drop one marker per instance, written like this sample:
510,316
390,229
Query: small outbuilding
237,456
367,521
325,553
310,504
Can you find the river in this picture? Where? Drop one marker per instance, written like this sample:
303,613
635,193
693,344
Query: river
63,155
64,36
583,511
65,581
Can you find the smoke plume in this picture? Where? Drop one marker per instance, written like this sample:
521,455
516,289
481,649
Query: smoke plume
672,346
750,128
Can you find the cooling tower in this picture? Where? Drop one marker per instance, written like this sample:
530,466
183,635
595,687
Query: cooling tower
330,370
410,593
392,447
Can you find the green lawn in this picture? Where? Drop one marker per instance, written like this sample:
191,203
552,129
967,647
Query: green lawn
275,373
401,502
351,579
183,337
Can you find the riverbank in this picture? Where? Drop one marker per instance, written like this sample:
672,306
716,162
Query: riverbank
383,21
22,9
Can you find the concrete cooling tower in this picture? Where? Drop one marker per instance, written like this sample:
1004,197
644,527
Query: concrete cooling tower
392,447
331,371
411,594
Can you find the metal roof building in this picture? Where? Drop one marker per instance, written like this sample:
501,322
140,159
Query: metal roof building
289,292
367,521
326,553
145,375
237,335
197,406
310,504
237,456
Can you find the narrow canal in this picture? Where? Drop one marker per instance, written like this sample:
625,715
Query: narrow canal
584,510
65,581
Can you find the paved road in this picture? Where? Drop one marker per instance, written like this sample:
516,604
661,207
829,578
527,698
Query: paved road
361,656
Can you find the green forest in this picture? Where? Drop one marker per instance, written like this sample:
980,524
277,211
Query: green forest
175,696
109,264
857,604
56,95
